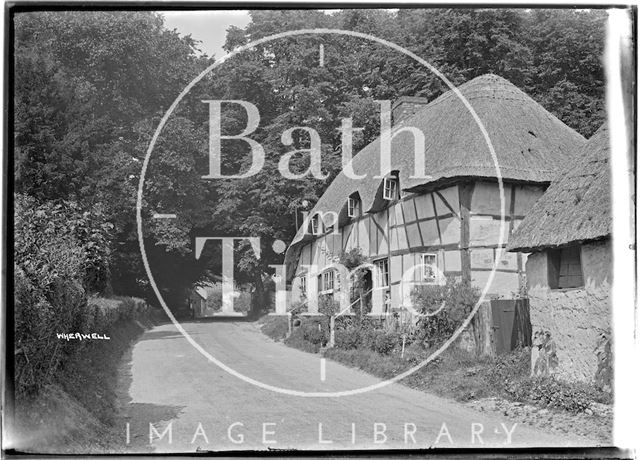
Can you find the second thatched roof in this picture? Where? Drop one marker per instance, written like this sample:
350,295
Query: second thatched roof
577,205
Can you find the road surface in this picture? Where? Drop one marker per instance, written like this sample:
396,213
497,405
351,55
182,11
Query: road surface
174,400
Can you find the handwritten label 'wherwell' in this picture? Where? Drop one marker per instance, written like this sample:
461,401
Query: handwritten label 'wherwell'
80,336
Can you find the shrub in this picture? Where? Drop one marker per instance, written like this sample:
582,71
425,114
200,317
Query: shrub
38,350
345,322
327,305
298,340
61,253
60,240
378,340
347,339
311,335
458,296
352,259
276,327
368,338
315,331
385,342
509,366
242,303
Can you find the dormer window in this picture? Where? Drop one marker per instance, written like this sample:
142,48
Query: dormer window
316,225
353,207
390,191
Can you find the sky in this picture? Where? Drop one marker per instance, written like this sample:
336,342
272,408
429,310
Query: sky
209,27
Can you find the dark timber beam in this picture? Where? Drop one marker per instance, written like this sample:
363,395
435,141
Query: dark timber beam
465,192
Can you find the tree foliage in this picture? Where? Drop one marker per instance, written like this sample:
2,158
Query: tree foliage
91,88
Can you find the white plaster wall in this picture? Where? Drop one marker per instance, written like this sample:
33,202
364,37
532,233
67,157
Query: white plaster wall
574,317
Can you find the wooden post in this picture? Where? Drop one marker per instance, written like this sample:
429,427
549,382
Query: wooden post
332,331
465,191
483,331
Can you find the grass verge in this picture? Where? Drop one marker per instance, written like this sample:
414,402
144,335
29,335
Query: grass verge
463,377
455,374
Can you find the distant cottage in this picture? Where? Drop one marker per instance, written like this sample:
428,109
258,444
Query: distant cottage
568,233
206,300
449,222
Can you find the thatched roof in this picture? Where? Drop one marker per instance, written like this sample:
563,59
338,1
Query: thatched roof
577,205
530,143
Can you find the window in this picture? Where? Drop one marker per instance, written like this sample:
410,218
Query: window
316,225
382,273
353,207
390,191
565,268
325,280
429,268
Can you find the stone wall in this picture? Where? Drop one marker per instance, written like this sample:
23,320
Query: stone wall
575,318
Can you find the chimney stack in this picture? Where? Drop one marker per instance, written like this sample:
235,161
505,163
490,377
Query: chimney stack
406,106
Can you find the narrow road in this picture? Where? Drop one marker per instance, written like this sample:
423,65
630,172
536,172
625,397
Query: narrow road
169,390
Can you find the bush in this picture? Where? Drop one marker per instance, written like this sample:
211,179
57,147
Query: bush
385,342
315,330
328,306
458,296
297,340
39,352
61,254
62,241
352,259
347,339
242,303
378,340
276,327
508,367
311,335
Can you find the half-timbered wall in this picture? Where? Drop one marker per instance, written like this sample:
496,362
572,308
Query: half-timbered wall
484,233
459,224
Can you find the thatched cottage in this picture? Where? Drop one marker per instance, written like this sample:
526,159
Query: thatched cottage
568,233
448,223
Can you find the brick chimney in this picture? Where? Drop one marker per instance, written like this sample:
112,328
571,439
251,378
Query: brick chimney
406,106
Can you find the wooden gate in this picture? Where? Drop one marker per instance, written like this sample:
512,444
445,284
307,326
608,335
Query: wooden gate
511,324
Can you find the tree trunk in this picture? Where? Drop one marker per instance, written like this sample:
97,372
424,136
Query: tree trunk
258,301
